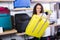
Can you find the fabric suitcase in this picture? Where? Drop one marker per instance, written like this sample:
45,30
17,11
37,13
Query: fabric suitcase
21,3
37,26
4,10
21,21
5,22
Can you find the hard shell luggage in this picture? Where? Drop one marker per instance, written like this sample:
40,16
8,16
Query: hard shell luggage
37,26
21,3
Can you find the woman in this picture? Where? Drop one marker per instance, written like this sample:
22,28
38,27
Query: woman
38,10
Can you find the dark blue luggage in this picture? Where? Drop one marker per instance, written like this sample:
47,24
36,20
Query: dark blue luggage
21,22
5,21
21,3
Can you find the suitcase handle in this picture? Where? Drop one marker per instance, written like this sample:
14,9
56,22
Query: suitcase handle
37,23
42,25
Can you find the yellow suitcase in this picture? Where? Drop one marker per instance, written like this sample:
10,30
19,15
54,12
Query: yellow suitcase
37,26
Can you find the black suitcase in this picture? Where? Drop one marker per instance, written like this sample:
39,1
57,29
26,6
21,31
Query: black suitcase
58,30
13,23
21,21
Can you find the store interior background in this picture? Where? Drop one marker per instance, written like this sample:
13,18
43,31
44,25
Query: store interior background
54,6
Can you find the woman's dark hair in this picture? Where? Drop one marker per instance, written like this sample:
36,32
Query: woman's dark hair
34,10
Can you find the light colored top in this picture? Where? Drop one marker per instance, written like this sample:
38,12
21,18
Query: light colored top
58,21
43,14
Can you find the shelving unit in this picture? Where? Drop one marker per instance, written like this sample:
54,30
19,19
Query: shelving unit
20,33
18,9
45,0
6,0
23,9
9,32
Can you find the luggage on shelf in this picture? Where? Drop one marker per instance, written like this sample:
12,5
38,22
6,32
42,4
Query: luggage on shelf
21,21
4,10
21,3
5,18
5,21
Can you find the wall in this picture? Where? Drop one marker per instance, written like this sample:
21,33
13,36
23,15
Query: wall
49,6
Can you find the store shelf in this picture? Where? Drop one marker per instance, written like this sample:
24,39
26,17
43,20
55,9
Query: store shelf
9,32
6,0
22,9
21,33
45,0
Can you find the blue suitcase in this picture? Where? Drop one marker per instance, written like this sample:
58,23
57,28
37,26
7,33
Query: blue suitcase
21,3
5,21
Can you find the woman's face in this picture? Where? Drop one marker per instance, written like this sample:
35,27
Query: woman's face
38,9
